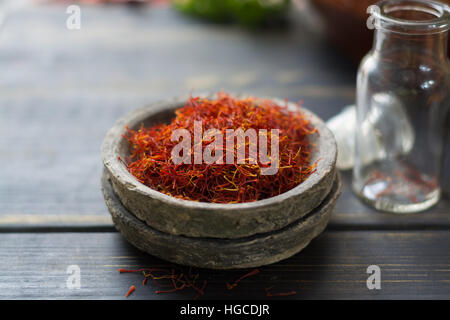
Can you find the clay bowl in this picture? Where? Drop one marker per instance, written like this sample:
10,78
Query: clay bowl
201,219
247,252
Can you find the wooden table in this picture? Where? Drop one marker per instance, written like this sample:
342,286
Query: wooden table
61,90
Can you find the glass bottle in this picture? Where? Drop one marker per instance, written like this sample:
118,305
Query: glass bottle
402,101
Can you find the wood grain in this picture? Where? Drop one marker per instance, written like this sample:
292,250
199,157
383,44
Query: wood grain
62,90
413,265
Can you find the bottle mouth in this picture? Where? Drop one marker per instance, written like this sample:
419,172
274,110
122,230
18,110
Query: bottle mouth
411,16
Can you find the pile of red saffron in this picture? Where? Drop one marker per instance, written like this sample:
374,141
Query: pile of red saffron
151,159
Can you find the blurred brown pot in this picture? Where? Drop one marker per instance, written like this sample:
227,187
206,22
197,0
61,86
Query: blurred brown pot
345,23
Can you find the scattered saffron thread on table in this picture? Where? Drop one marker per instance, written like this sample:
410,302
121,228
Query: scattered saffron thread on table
201,291
130,291
184,280
177,282
151,162
279,294
235,283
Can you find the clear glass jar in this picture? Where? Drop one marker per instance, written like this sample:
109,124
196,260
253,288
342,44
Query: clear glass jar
402,101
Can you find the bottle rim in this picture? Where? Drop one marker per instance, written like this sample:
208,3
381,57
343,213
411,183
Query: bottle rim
382,12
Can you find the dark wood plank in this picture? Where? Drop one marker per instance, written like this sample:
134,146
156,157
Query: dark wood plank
61,91
414,265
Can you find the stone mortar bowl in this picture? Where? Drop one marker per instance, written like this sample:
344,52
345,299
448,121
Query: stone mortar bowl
214,253
201,219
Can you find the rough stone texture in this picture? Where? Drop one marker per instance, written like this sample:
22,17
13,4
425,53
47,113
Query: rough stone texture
200,219
212,253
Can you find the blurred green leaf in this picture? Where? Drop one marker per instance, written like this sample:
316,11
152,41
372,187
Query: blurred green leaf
215,10
256,12
247,12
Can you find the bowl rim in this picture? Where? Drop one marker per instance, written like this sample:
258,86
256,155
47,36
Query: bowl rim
116,168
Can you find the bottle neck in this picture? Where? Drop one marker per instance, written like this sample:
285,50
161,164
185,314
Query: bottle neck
403,46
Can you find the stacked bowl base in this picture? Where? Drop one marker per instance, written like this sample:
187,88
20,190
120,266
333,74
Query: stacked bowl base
217,236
